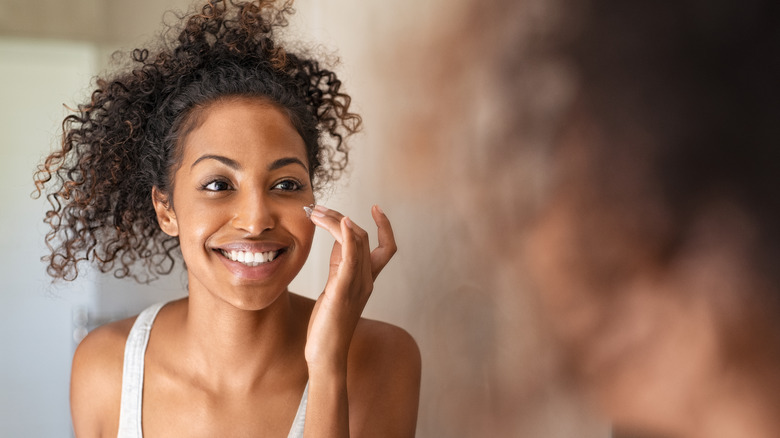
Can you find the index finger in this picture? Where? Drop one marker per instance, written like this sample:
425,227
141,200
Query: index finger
328,219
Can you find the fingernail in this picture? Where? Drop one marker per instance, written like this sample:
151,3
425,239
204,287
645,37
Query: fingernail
308,209
379,209
321,208
348,221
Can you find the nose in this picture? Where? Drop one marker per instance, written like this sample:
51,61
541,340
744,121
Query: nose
253,213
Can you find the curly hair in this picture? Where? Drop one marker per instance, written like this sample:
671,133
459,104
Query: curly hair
125,141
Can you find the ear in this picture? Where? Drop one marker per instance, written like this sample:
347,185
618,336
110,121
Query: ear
166,217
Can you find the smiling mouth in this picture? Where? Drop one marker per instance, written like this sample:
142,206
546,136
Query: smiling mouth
251,258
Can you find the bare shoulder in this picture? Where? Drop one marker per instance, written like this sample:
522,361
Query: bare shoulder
384,379
96,379
377,344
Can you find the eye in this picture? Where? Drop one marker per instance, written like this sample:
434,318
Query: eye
217,185
288,185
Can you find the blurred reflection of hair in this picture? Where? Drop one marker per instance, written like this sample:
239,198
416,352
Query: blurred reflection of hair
626,153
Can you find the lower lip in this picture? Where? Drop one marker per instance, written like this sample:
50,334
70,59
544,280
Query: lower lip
262,271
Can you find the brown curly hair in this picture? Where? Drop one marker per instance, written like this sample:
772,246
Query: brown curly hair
124,142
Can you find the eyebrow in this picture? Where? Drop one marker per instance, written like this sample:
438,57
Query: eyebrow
224,160
233,164
278,164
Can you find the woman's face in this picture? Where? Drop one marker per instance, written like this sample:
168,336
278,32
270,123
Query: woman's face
237,203
640,335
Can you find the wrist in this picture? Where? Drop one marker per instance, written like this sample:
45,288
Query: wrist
331,371
327,412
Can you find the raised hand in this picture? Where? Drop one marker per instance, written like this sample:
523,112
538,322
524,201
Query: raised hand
353,269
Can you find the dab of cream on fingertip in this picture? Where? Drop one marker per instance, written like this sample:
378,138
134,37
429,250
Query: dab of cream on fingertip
309,209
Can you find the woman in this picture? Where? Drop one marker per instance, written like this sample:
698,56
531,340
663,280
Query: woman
215,144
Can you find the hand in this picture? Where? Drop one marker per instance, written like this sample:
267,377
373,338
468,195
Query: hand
353,269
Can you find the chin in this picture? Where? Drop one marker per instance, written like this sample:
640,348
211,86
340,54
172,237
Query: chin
254,298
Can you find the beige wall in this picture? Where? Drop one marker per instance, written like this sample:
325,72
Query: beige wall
73,20
97,21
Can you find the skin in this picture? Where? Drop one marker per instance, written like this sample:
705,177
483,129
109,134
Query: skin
233,358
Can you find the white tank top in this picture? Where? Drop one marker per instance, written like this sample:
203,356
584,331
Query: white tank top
133,380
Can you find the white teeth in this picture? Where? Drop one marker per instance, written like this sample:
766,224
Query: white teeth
250,258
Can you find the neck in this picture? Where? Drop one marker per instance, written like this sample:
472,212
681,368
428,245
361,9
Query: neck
228,346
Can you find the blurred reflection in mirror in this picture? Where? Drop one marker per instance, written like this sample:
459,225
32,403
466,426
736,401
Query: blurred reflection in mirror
620,160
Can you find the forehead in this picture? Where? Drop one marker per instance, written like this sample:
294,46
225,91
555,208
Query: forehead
245,130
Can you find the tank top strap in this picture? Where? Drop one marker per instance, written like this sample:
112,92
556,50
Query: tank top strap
296,431
133,373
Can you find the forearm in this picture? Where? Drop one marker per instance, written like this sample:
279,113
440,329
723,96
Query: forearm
327,410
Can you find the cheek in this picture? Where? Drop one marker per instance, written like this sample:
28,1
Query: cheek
192,238
301,227
196,222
